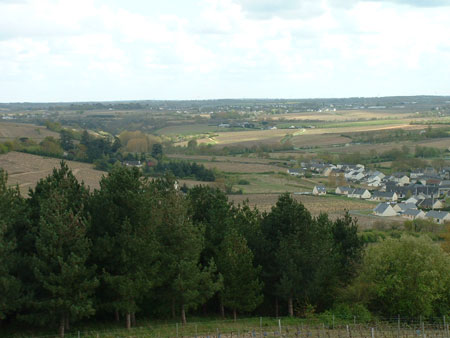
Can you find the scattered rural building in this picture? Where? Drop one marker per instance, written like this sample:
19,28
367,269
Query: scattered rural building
319,190
413,214
360,193
384,209
430,203
402,207
137,164
343,190
414,199
438,216
295,172
400,178
384,196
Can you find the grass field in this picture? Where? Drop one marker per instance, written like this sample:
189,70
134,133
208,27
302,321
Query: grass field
442,143
364,123
26,170
10,131
319,326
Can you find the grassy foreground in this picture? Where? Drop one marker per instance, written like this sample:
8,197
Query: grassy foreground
325,326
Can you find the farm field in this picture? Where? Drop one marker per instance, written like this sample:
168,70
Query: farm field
230,167
187,129
296,136
345,115
10,131
270,183
232,159
26,170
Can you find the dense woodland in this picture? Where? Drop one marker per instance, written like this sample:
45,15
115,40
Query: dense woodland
138,247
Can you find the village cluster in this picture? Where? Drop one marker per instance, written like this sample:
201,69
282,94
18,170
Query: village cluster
418,194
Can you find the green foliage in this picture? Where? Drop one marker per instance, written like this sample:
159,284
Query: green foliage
125,246
241,285
296,266
408,276
54,126
183,169
348,312
157,151
188,283
55,248
210,209
10,286
51,146
66,140
425,152
66,283
348,246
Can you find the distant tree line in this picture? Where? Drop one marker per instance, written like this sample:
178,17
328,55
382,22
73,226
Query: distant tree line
403,157
97,106
261,149
387,136
183,169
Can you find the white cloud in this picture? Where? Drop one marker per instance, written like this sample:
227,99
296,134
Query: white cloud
243,48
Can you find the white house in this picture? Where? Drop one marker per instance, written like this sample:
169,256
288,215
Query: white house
413,214
400,178
319,190
438,216
343,190
384,196
384,209
413,199
401,207
360,193
430,203
375,177
374,183
294,172
357,176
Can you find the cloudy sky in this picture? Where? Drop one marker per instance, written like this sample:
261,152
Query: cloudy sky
83,50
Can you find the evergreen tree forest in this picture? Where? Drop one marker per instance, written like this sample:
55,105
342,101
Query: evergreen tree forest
138,248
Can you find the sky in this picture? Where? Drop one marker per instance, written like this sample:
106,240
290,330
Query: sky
98,50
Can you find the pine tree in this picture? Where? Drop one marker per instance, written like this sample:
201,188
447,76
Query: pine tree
66,283
10,208
188,282
125,248
300,263
241,285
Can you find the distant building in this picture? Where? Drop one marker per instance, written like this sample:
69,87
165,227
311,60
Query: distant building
319,190
360,193
438,216
413,214
384,196
385,210
430,203
295,172
343,190
136,164
402,207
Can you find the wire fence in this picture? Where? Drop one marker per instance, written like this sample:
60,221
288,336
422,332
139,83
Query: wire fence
321,327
